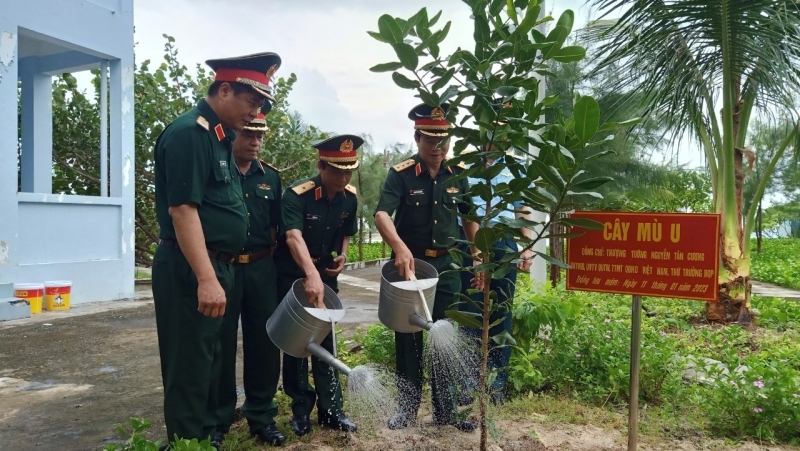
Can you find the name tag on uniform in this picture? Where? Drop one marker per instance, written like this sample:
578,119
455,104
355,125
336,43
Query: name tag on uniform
453,190
311,217
416,192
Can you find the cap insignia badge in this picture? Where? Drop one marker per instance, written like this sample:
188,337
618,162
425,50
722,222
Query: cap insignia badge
346,146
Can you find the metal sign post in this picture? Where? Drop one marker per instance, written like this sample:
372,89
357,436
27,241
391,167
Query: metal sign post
633,402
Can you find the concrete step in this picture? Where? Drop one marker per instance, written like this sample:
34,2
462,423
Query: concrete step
12,308
6,290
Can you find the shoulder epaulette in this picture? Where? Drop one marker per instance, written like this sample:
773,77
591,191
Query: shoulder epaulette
267,164
203,122
461,165
404,165
303,187
351,188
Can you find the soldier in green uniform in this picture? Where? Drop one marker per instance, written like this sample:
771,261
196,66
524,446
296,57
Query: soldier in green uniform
203,223
254,296
318,217
422,197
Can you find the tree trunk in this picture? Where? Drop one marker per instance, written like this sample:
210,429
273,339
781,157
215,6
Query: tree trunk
360,216
733,304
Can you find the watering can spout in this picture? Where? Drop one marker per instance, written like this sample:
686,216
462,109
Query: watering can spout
418,321
322,354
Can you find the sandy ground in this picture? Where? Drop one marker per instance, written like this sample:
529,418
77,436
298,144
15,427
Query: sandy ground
68,379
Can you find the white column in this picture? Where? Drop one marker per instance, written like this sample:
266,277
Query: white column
8,152
36,162
539,266
104,129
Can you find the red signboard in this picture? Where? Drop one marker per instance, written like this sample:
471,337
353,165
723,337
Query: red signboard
672,255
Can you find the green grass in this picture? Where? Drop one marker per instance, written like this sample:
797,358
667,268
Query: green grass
778,262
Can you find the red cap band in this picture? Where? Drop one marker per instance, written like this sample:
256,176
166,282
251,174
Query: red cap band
231,75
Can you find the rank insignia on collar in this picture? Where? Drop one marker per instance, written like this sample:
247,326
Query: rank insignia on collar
220,132
318,193
416,192
263,186
418,169
201,121
453,190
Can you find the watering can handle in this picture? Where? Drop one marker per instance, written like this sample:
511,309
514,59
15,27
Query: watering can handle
422,298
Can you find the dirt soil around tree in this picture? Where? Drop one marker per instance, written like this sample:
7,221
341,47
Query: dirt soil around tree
68,379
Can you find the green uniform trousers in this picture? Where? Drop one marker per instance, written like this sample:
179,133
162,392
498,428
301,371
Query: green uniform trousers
409,349
189,345
326,392
255,298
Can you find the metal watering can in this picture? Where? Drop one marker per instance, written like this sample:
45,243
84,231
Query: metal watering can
297,327
400,305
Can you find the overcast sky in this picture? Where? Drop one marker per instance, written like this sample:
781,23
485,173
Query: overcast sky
324,42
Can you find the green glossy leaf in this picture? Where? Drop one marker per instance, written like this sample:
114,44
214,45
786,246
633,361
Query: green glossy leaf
482,34
465,319
570,54
404,82
615,125
549,174
390,29
386,67
587,118
557,37
504,338
408,57
585,193
529,21
429,98
599,154
584,223
442,34
434,19
443,80
378,37
485,239
551,260
512,11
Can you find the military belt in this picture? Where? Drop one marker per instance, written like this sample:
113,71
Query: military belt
224,257
430,253
254,256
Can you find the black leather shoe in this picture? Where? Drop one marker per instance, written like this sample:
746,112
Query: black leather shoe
270,435
337,421
401,420
217,439
301,425
465,399
465,426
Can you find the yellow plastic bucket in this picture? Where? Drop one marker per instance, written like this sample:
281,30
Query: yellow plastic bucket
57,294
31,292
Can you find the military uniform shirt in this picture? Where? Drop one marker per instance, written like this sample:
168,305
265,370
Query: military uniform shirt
424,204
323,223
262,196
193,164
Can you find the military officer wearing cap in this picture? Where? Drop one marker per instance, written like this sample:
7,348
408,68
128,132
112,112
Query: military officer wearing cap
203,222
422,197
318,217
254,295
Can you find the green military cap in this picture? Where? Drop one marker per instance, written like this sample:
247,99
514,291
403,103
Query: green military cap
430,120
253,70
340,151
